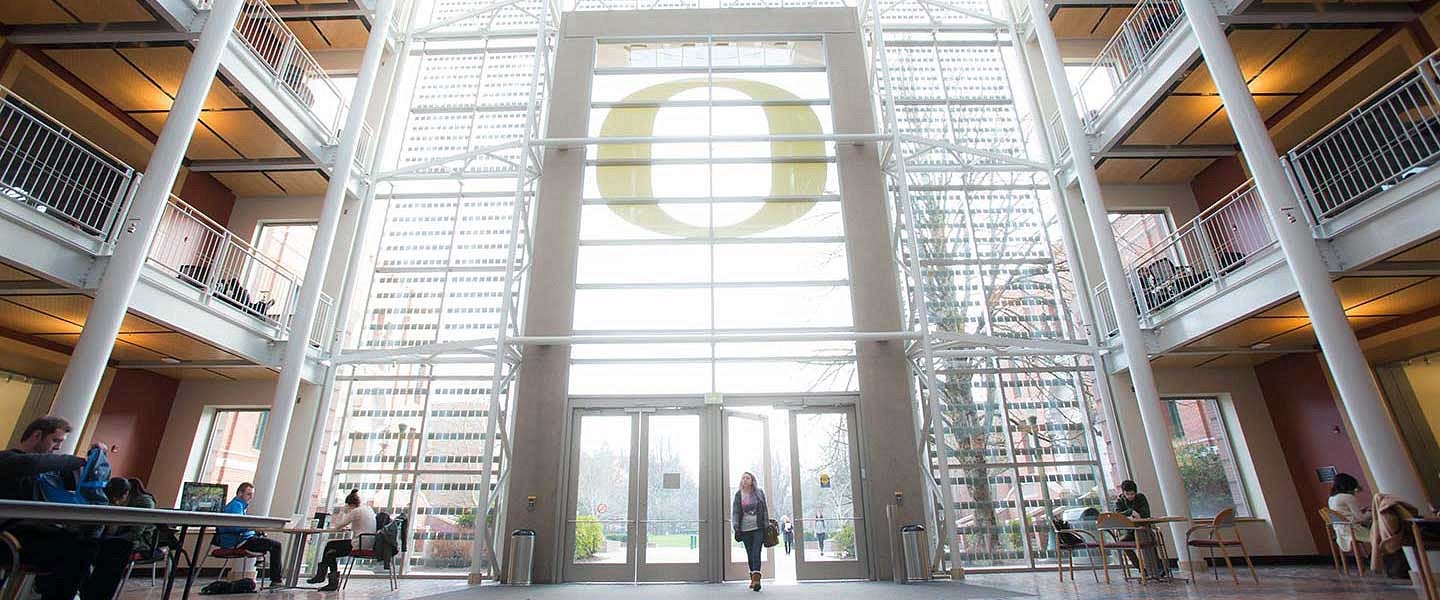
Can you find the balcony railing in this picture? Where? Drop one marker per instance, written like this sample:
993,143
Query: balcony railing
1388,137
61,175
290,65
1126,54
57,172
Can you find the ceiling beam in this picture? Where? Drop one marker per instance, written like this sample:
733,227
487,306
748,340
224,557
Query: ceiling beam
334,10
183,364
1176,151
1400,268
248,166
1355,16
97,35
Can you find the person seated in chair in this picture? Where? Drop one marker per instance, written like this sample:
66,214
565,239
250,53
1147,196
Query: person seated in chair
361,521
248,539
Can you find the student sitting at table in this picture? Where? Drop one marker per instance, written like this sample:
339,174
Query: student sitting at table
1131,502
248,539
361,520
64,555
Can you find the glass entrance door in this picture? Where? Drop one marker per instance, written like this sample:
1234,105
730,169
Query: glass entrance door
635,502
746,450
829,532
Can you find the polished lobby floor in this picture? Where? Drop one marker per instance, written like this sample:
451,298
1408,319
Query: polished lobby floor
1316,583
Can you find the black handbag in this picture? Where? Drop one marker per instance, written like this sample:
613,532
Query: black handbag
772,534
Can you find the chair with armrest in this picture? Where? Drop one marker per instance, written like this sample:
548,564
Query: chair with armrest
1126,536
1211,536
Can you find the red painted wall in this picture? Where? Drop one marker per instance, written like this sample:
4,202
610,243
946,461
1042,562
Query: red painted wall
133,420
1310,429
209,196
1215,181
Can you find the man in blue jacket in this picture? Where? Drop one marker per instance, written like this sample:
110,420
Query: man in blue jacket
247,539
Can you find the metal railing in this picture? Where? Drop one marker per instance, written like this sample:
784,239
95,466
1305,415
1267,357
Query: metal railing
1389,136
1105,311
290,65
204,254
365,151
59,173
1201,254
1059,145
1127,53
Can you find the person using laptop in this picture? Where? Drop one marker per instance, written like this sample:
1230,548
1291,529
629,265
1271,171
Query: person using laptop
248,539
65,556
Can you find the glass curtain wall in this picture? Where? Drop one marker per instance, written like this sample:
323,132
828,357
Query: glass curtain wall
413,427
701,236
1020,433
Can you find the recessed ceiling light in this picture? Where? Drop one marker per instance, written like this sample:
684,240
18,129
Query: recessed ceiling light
1259,345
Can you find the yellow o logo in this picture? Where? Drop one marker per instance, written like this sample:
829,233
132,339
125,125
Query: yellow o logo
803,179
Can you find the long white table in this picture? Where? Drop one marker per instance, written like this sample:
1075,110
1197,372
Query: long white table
11,510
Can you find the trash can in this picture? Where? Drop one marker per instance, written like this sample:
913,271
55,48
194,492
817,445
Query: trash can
522,557
912,544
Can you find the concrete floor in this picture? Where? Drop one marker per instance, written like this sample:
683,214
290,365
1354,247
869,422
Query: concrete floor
1315,583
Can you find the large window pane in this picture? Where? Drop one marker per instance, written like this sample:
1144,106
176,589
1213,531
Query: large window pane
232,447
1207,463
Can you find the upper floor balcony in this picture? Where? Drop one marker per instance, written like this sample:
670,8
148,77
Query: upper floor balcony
271,123
206,297
1368,190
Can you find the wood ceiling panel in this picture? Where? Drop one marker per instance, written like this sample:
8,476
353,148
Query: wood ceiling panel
32,12
1076,21
301,183
1247,332
1353,291
191,374
249,134
1427,251
1254,49
1111,23
249,184
1217,130
1123,170
1180,361
1404,301
309,36
76,307
1238,360
9,273
1309,59
111,75
204,144
251,374
108,11
1176,170
1173,119
178,345
166,66
1305,336
344,33
24,320
123,350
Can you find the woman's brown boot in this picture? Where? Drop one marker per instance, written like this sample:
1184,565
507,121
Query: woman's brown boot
755,580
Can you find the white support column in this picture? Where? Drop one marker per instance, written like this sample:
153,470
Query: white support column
352,261
282,406
1379,441
1157,434
92,352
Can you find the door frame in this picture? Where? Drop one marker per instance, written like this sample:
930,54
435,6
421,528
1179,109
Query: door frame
817,570
732,570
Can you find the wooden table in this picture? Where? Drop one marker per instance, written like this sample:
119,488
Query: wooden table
1418,527
13,510
295,558
1153,523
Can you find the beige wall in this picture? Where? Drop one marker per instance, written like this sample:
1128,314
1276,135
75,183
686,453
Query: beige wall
184,438
1280,528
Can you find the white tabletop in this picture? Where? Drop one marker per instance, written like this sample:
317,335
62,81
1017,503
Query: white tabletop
124,515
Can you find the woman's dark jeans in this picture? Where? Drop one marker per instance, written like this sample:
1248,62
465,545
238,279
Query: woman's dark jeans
754,542
334,549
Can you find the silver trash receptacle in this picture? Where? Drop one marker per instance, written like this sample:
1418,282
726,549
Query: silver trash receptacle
522,557
913,546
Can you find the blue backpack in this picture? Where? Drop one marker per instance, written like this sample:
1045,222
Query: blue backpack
89,482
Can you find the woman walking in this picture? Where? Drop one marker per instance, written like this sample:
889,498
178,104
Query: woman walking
361,520
750,515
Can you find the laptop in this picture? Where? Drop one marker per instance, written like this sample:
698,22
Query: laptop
204,497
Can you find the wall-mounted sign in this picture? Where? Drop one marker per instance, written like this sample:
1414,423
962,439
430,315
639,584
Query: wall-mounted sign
824,481
1326,474
670,481
602,508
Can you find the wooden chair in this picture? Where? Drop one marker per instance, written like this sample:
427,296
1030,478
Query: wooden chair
1124,535
1331,520
1067,541
1215,538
